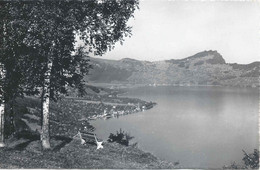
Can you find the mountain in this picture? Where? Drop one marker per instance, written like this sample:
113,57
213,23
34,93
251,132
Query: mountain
204,68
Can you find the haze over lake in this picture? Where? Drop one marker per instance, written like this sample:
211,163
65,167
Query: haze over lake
201,127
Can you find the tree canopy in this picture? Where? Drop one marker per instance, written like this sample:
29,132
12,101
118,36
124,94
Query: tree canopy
35,32
37,45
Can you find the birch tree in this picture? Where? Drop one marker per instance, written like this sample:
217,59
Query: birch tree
12,58
2,108
44,41
1,95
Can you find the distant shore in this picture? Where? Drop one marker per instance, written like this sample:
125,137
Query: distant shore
129,86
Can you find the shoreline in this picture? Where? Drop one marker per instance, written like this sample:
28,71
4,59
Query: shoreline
71,153
107,110
129,86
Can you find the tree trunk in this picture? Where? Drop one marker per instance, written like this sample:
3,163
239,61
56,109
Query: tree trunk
45,133
9,118
2,104
12,123
2,108
2,125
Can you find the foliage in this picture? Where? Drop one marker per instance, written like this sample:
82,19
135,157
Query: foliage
252,160
249,161
34,33
38,44
234,165
120,137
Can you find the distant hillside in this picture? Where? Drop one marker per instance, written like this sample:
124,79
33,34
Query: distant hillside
204,68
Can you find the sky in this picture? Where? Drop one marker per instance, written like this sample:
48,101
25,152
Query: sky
167,29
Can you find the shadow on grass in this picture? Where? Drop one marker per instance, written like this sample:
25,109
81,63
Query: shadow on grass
31,136
65,140
91,142
25,135
28,135
22,146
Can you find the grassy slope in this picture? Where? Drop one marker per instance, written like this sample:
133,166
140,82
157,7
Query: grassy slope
75,155
24,150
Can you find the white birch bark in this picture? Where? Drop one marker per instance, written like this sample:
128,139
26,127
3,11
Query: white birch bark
45,134
2,108
2,105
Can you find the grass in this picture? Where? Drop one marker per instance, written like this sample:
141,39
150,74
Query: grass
69,153
68,115
24,149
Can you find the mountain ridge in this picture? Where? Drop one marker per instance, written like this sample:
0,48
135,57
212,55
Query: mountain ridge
203,68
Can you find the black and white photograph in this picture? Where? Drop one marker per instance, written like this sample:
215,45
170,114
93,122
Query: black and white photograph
129,84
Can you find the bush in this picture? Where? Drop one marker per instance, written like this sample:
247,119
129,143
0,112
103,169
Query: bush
250,161
120,137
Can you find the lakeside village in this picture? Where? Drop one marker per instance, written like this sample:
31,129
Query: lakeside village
107,103
104,110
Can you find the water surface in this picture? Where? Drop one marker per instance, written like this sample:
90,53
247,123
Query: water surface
201,127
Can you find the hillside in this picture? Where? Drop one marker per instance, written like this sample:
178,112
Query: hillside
68,116
204,68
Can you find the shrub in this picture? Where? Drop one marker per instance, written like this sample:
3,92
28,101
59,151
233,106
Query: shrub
252,160
120,137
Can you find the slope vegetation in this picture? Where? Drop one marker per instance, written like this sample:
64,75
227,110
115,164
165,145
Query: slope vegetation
204,68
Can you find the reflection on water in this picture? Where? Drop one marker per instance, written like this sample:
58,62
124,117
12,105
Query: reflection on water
205,127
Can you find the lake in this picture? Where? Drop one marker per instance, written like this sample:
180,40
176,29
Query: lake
201,127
